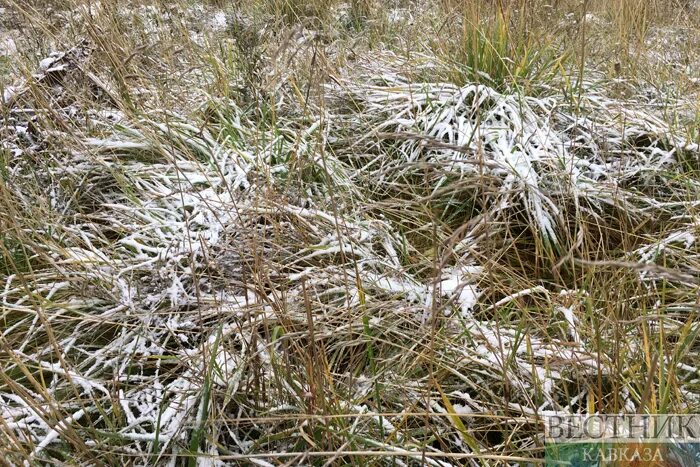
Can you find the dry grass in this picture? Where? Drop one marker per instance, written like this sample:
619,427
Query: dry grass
342,233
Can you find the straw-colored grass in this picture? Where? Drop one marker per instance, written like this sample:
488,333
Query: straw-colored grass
362,233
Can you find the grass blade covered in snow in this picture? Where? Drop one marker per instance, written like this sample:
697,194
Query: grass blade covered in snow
242,234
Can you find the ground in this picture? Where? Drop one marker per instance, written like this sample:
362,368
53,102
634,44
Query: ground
285,232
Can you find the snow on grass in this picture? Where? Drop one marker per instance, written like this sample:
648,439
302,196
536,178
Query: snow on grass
201,273
541,152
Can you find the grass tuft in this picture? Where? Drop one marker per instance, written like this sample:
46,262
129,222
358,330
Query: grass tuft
356,233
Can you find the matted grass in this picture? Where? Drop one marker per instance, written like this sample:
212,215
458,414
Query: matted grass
289,233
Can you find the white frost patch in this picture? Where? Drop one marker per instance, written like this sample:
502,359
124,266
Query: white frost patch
7,45
218,21
399,15
648,253
677,244
9,92
51,64
571,321
457,285
676,247
413,291
55,433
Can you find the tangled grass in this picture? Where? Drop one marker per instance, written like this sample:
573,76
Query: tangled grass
371,270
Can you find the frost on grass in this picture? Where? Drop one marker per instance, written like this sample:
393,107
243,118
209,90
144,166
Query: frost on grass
211,284
542,153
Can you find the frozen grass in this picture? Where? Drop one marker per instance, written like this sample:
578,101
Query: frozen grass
242,237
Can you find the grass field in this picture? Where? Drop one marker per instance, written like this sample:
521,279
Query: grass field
288,232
